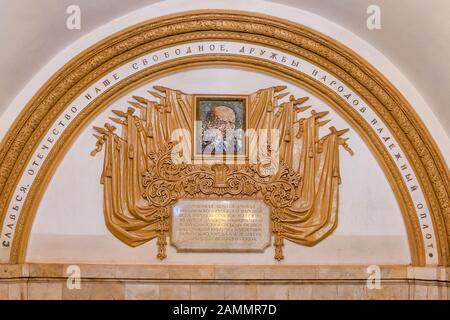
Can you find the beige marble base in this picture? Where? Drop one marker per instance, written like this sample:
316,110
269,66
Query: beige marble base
49,281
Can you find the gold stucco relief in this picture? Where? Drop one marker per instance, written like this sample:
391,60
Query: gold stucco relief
294,171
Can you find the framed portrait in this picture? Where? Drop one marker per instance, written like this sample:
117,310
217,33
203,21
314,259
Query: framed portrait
220,122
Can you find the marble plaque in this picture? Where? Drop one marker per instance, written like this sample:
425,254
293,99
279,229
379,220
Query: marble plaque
220,225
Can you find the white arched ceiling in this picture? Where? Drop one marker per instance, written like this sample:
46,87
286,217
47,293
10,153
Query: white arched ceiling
414,37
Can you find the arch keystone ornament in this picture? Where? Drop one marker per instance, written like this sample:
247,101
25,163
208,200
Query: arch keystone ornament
51,121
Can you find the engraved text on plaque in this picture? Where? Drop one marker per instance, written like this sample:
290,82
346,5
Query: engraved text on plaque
220,225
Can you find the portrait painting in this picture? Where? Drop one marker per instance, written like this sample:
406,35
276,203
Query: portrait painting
220,126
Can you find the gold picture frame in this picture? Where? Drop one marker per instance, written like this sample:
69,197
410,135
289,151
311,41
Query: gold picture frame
204,103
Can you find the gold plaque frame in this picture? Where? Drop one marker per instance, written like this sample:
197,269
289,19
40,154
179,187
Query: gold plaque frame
224,250
212,159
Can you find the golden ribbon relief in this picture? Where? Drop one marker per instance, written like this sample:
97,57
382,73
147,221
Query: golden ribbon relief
145,170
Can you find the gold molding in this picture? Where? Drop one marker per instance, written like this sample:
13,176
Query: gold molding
90,65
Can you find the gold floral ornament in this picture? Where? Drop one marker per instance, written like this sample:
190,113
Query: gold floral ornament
141,180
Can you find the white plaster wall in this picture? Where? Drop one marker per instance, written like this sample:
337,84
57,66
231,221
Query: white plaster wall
69,222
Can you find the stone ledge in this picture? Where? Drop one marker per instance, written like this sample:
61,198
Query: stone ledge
220,272
53,288
221,282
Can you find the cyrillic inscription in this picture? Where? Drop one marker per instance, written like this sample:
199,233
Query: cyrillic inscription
220,225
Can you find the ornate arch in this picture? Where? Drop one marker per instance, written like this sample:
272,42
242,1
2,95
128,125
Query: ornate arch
91,65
